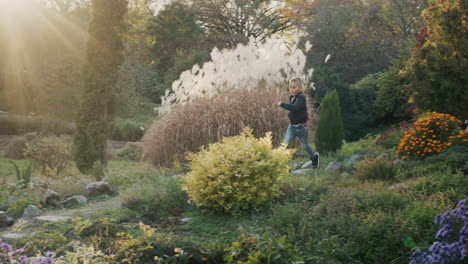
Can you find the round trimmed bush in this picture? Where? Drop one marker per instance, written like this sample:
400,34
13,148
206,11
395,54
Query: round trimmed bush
237,174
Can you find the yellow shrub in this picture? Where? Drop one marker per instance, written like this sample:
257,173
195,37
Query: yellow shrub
432,133
236,174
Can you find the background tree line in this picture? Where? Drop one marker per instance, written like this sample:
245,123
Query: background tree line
378,64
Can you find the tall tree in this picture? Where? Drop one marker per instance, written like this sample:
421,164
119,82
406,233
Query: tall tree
174,32
361,36
230,22
438,68
329,134
104,55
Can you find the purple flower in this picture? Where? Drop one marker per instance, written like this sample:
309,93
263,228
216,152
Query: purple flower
445,251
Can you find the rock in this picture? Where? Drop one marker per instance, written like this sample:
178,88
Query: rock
302,172
334,167
98,188
32,211
383,156
307,165
398,163
396,187
186,220
11,237
52,218
355,158
465,169
345,174
295,166
178,176
52,198
75,201
5,220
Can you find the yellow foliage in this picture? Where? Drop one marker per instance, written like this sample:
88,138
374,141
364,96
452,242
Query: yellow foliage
237,173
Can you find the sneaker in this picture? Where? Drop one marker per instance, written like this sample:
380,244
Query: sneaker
316,161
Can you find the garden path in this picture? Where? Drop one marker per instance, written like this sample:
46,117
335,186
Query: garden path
16,232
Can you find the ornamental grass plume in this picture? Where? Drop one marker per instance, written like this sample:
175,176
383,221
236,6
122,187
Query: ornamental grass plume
207,120
274,61
452,248
432,133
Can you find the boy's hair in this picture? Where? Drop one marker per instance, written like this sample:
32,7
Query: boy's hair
297,80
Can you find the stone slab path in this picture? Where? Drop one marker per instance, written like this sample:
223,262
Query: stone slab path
11,234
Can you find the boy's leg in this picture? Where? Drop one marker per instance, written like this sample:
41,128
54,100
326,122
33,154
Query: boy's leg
290,134
303,137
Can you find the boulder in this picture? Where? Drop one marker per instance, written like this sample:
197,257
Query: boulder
356,158
465,168
98,188
52,218
302,172
12,237
307,165
75,201
345,174
32,211
382,156
398,163
52,198
334,167
185,220
5,220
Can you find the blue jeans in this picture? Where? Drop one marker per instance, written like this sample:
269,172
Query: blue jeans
302,132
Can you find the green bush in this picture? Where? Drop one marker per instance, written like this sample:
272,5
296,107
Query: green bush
15,148
237,174
329,134
17,124
392,137
131,151
17,206
156,196
51,154
377,169
127,130
265,248
287,216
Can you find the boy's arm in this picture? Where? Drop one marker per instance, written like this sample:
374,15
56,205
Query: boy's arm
298,104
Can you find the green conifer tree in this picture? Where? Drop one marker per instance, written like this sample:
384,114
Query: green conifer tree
438,68
104,55
329,133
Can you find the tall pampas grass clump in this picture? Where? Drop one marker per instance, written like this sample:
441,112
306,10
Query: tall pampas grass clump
237,88
207,120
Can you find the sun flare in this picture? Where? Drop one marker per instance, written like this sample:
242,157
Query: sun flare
9,5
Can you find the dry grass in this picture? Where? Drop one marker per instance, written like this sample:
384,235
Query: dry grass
188,127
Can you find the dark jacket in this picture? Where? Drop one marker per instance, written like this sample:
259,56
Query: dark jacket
297,108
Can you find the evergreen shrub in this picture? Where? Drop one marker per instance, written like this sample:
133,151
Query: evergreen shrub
329,134
237,174
432,133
